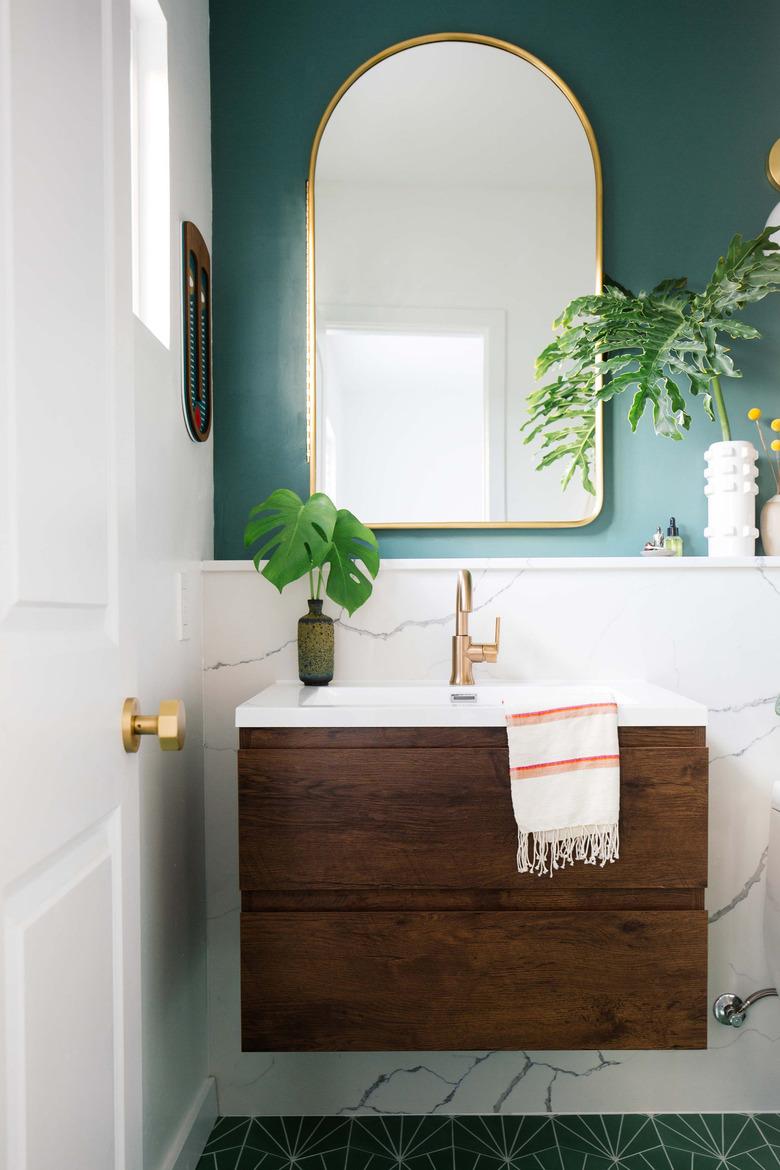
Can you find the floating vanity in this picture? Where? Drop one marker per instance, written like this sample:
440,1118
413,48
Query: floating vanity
381,904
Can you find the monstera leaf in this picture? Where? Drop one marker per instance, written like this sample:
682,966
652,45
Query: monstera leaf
658,345
352,542
302,537
300,534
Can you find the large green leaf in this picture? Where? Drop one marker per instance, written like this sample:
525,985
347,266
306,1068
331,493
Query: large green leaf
656,345
299,534
352,543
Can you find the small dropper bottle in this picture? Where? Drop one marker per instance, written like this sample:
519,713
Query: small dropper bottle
673,540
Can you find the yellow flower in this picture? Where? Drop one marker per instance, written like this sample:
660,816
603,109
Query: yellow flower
754,414
775,424
776,444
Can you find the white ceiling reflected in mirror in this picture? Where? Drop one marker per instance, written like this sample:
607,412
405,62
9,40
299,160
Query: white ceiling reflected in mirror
454,210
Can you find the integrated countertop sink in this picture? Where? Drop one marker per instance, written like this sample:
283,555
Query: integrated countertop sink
419,704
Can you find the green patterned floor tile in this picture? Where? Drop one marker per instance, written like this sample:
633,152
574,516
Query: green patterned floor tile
471,1160
689,1160
747,1139
299,1141
559,1158
654,1158
228,1134
224,1161
764,1158
500,1140
250,1159
730,1141
769,1126
403,1141
714,1135
613,1137
243,1158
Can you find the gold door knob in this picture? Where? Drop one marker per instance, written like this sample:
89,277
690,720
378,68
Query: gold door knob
169,725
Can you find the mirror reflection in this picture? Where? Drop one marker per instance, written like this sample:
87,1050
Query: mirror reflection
454,209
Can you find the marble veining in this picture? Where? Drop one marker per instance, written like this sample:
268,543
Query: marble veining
709,634
364,1104
753,880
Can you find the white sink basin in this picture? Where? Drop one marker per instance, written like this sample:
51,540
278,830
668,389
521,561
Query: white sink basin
414,704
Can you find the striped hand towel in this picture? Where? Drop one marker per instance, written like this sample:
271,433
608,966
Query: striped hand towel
564,769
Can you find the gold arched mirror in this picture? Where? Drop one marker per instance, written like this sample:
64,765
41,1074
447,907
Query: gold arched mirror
454,205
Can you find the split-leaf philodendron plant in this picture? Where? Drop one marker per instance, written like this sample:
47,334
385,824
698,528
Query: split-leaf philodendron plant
310,537
657,344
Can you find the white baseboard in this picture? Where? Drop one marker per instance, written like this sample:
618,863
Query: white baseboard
197,1123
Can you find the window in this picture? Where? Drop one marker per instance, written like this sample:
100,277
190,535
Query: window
150,167
421,388
414,400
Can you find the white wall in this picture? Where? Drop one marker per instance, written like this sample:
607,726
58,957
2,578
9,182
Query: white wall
708,632
175,517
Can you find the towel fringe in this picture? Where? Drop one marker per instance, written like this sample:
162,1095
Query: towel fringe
555,848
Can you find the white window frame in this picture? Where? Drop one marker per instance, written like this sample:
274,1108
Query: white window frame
488,323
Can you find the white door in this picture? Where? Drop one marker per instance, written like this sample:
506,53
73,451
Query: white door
69,882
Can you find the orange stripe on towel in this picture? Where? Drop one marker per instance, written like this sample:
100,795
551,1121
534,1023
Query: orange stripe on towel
555,713
579,764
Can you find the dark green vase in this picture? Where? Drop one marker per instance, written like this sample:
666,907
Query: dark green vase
315,646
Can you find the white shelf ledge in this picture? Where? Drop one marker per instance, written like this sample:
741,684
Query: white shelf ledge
543,564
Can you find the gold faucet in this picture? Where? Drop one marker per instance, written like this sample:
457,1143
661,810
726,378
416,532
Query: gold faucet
464,651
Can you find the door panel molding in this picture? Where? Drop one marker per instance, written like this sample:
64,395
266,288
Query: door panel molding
86,873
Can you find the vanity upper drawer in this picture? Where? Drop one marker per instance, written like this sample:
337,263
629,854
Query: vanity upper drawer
470,981
441,818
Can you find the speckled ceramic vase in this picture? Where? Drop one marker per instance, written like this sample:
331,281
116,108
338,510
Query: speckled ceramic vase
315,646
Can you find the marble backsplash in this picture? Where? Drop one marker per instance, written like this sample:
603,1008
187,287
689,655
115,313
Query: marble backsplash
710,631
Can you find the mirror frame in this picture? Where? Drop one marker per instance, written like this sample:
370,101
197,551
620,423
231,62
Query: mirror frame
311,307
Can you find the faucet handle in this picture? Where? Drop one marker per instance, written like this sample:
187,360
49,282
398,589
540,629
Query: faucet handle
490,649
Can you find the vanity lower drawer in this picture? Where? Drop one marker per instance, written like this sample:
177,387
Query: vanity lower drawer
435,817
389,981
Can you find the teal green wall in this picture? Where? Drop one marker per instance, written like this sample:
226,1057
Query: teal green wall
685,102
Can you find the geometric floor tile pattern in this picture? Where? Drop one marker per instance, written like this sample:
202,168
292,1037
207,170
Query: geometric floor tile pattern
630,1141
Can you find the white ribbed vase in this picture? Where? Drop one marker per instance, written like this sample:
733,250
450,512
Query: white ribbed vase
731,491
770,527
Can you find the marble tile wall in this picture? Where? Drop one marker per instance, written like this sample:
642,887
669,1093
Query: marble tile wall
710,632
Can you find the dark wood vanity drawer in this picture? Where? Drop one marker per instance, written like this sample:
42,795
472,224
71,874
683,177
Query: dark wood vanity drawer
385,981
440,817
